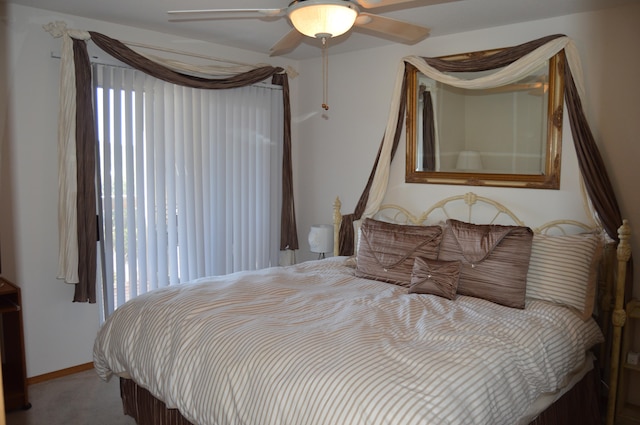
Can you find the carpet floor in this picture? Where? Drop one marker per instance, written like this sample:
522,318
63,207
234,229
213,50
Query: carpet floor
78,399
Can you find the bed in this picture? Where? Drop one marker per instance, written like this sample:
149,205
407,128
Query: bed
429,323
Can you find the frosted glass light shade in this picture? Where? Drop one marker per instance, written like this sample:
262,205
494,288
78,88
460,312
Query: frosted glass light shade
469,160
324,19
321,238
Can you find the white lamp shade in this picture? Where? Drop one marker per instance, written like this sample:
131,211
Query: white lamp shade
321,238
469,160
324,19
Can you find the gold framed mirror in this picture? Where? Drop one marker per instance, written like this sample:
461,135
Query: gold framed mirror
506,136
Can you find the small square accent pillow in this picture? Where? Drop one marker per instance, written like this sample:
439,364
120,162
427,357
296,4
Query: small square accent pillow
435,277
386,251
563,269
495,260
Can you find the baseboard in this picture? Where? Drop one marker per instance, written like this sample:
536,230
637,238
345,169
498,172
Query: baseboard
59,373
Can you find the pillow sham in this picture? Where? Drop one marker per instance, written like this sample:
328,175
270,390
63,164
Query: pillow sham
386,251
495,260
435,277
563,270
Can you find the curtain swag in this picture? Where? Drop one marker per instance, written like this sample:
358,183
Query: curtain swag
77,146
511,64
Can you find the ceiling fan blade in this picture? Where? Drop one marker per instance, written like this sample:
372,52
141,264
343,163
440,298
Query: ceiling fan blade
264,12
402,31
370,4
290,41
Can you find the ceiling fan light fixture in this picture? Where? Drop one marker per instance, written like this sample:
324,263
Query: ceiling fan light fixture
323,18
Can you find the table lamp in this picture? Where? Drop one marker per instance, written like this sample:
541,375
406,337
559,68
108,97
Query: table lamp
321,239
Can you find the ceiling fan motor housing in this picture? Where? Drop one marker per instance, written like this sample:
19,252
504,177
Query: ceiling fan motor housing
322,18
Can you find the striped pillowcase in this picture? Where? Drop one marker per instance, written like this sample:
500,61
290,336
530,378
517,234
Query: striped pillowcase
563,270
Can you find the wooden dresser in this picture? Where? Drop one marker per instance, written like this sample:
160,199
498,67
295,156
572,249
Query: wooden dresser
14,371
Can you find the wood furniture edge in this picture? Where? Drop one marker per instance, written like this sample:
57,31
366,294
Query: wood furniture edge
3,418
15,393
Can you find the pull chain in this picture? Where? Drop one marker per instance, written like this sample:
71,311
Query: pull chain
325,75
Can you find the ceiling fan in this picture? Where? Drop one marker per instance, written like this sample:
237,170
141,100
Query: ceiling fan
325,19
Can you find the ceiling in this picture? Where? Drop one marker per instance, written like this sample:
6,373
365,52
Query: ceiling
441,16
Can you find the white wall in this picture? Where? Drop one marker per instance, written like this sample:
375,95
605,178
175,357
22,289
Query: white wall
338,148
58,333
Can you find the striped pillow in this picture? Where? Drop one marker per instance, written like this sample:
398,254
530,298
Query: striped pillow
563,270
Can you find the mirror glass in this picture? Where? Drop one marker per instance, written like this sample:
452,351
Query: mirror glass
504,136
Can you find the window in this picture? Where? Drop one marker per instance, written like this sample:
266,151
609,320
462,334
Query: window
190,181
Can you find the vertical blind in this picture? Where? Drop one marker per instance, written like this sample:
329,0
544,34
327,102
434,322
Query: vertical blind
190,180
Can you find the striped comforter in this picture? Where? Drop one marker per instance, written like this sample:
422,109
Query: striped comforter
313,344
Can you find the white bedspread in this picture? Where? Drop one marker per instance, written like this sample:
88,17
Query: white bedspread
312,344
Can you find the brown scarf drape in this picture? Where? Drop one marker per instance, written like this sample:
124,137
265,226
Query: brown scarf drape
428,133
86,145
85,290
288,233
594,172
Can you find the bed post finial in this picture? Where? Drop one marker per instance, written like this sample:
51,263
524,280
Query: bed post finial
337,220
624,247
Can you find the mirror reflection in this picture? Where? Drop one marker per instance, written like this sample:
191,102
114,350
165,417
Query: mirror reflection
501,136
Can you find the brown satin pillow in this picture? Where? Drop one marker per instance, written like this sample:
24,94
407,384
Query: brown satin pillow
495,260
435,277
386,251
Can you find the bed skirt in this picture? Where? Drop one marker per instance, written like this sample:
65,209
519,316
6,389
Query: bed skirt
138,403
579,406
